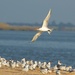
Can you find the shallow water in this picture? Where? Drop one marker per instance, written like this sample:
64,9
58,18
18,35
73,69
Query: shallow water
59,45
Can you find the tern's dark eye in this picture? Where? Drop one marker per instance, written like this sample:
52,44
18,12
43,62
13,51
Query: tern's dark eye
49,30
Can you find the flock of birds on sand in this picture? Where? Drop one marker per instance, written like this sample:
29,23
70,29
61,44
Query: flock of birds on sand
44,67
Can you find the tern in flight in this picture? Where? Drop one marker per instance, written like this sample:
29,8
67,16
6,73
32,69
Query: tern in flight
44,27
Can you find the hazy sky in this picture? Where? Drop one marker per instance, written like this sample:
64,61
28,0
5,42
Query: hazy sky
32,11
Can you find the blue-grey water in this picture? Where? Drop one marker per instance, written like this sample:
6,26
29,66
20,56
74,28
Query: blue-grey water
59,45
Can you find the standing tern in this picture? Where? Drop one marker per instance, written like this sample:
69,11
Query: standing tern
44,27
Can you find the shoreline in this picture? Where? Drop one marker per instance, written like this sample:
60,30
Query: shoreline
18,71
30,67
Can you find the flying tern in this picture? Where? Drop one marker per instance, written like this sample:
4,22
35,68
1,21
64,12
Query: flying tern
44,27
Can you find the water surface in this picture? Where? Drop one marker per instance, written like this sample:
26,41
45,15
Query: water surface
59,45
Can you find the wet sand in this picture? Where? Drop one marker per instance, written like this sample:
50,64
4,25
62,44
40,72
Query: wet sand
18,71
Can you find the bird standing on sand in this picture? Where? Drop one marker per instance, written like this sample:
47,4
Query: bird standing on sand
44,27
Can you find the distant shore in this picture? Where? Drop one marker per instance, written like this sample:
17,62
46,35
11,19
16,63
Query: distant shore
5,26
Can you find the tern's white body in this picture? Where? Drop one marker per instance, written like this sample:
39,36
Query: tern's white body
44,27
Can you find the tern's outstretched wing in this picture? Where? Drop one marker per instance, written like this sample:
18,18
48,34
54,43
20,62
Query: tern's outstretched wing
36,36
45,22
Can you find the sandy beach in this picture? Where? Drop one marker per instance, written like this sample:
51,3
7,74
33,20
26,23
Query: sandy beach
18,71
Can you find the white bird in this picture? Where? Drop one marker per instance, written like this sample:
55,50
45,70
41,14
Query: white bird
48,65
26,68
58,72
44,71
44,27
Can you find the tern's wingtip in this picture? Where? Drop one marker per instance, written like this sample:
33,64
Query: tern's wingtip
50,10
32,41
